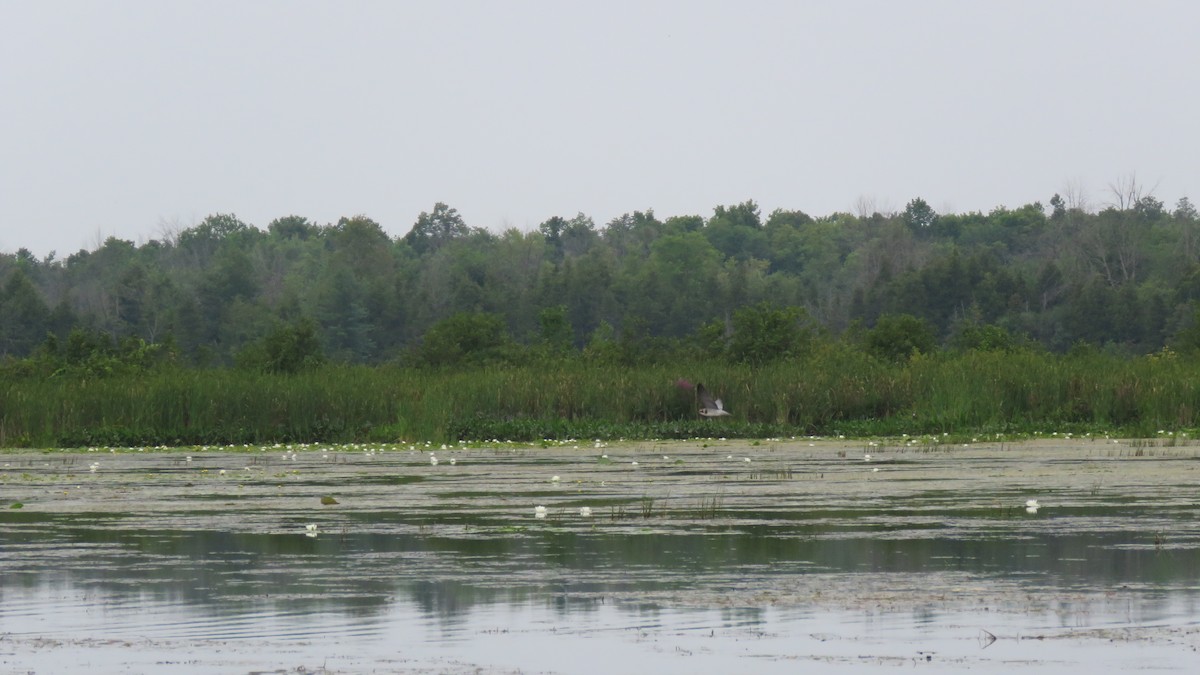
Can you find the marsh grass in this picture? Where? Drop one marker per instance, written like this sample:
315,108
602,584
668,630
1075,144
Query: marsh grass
709,508
838,391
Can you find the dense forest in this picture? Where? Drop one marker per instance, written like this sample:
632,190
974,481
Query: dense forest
1124,278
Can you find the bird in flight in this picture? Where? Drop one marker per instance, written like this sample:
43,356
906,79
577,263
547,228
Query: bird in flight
709,406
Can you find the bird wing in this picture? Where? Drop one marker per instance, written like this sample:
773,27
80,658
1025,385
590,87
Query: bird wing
706,399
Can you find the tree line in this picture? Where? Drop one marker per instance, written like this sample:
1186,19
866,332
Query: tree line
1124,278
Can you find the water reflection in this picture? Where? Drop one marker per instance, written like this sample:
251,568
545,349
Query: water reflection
199,561
416,557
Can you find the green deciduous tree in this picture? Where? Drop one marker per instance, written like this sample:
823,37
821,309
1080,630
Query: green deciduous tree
919,215
897,337
763,333
287,348
435,229
345,322
293,227
465,339
556,335
201,242
737,231
981,337
676,290
24,317
632,234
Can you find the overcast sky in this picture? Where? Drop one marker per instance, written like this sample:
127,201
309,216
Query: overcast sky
130,118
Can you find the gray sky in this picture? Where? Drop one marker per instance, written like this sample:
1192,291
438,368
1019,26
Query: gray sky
125,118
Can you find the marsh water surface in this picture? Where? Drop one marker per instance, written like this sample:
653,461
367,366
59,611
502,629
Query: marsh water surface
688,557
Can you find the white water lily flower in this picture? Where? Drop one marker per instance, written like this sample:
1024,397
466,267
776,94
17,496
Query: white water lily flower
432,460
585,511
539,512
310,530
554,479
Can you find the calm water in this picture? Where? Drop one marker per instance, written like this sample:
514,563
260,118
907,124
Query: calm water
693,560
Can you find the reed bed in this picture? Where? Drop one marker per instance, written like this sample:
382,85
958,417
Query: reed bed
837,391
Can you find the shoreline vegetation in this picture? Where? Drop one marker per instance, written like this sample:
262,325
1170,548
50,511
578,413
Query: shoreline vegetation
1018,322
835,390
